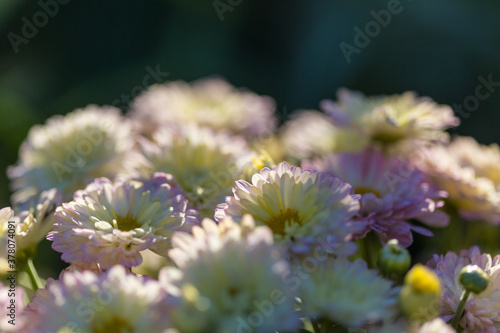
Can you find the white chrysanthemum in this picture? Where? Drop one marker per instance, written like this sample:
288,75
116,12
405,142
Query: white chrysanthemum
388,120
208,102
34,223
302,208
116,301
11,305
348,293
70,151
205,163
482,311
229,280
110,223
311,133
470,173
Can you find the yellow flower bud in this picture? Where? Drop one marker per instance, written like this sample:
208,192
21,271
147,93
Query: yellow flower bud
263,160
258,162
419,294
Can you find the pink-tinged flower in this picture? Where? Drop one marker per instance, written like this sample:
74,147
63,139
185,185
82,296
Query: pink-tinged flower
229,279
111,223
392,192
68,152
204,162
390,120
482,311
348,293
208,102
303,208
470,173
116,301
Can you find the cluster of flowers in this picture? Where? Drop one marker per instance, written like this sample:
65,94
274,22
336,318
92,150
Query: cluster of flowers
176,218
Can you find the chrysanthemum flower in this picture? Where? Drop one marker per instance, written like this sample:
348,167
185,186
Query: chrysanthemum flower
311,133
348,293
302,207
28,228
110,223
208,102
116,301
388,120
482,311
392,192
11,305
69,151
35,222
470,173
205,163
230,279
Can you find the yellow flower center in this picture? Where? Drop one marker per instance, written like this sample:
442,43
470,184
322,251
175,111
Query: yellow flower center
388,137
233,291
277,223
423,280
115,325
363,190
127,223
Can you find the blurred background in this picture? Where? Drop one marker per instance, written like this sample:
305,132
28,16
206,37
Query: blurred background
58,55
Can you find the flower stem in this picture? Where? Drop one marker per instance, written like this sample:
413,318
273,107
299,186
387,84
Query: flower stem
369,247
33,274
460,309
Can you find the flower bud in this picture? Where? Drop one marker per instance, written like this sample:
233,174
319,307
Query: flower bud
262,160
419,294
473,279
394,260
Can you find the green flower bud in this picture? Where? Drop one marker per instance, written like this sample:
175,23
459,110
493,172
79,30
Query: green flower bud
393,260
473,279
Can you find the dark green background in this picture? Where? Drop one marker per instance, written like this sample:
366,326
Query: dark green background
94,51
